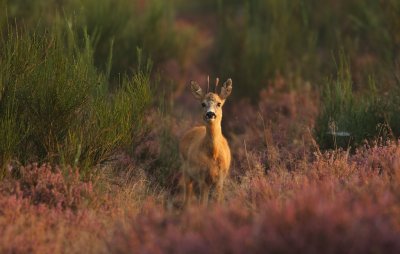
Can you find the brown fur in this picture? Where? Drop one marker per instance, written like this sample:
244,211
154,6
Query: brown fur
205,151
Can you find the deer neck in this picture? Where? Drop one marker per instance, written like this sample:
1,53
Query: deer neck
212,139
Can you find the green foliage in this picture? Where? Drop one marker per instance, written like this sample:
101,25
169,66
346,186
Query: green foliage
122,25
111,122
258,39
63,99
347,119
55,106
168,162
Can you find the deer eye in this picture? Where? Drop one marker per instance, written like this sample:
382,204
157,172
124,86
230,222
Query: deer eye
203,105
219,104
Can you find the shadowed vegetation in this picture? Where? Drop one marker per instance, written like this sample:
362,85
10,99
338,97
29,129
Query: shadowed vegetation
90,126
346,120
56,106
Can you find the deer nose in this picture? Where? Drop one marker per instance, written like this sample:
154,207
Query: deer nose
210,115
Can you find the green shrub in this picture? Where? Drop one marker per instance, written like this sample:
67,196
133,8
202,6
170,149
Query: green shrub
348,118
367,30
112,122
30,13
167,165
55,106
125,25
258,39
122,25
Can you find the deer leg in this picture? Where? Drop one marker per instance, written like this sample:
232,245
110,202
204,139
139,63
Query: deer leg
187,187
220,192
188,192
204,192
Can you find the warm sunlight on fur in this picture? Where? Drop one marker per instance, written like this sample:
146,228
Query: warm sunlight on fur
204,150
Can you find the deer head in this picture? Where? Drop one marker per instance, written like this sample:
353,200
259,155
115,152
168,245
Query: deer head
212,102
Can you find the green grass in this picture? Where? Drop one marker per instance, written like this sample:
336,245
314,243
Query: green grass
257,40
122,25
348,118
260,39
56,106
73,92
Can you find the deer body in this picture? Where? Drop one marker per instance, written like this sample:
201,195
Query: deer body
204,150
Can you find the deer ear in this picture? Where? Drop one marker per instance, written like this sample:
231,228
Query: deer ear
226,89
196,90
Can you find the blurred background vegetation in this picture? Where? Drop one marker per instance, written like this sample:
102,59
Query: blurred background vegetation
75,79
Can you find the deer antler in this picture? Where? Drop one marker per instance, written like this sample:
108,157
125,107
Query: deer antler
208,83
204,150
216,84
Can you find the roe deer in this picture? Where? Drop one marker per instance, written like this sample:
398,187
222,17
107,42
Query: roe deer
204,150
